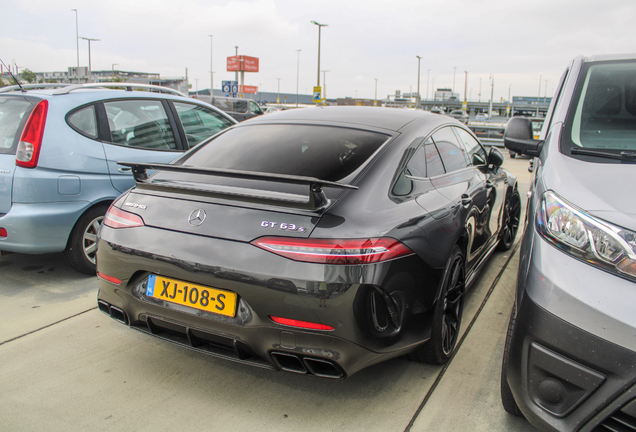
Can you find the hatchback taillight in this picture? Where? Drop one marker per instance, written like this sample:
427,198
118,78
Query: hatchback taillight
30,142
117,218
328,251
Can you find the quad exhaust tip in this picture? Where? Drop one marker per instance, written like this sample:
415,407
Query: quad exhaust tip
307,365
114,312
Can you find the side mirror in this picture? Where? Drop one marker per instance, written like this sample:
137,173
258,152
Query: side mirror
495,157
519,137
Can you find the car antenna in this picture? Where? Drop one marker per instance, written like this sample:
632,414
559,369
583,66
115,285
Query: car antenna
14,78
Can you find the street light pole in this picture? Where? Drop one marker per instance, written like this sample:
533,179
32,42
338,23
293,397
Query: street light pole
319,29
77,42
418,103
492,91
297,75
509,105
211,68
376,90
114,64
428,74
433,90
465,87
90,77
278,98
324,83
237,64
454,69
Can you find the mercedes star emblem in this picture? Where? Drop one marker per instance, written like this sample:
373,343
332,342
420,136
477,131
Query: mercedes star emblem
197,217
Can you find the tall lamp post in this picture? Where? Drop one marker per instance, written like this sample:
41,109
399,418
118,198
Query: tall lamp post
77,42
211,69
90,76
428,74
492,91
278,98
324,84
320,26
465,88
114,64
418,103
297,75
375,100
454,69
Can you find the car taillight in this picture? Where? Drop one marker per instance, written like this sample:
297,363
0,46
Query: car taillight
30,142
116,218
3,232
110,279
300,324
328,251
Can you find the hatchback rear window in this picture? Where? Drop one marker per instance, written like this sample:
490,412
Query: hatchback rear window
13,115
324,152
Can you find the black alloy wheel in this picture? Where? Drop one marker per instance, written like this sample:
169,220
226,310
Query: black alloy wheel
81,249
512,215
447,317
507,399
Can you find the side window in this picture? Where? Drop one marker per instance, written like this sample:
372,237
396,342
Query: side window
84,121
199,122
453,154
434,165
140,123
240,106
255,109
476,153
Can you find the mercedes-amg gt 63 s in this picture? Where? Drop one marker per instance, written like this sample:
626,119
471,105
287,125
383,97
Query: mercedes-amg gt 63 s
317,241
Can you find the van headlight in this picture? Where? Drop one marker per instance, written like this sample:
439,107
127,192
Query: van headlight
592,240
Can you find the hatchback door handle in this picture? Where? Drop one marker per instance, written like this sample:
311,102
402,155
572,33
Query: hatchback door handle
466,200
124,169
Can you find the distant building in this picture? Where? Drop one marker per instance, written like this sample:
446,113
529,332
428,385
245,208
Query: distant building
445,94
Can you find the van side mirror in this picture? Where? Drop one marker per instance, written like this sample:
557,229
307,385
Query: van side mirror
519,137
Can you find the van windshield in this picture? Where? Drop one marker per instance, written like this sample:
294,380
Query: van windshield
603,111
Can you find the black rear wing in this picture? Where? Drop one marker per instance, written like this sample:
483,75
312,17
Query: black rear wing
317,199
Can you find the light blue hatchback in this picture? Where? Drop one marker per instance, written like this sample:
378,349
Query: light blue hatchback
59,149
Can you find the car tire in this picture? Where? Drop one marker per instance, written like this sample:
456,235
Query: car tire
510,223
507,399
81,250
447,315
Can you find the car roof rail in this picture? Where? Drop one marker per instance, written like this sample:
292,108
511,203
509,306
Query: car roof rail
128,86
32,86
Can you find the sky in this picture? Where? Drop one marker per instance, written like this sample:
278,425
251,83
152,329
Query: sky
525,46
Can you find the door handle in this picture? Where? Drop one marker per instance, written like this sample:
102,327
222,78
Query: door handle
124,169
466,200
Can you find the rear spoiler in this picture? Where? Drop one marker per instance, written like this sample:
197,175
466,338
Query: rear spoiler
317,198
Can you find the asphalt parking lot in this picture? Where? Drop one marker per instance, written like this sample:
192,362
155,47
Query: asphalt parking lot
66,366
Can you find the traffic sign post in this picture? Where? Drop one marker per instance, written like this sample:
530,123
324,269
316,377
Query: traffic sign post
317,91
229,88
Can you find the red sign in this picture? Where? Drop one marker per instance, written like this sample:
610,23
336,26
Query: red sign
242,63
248,89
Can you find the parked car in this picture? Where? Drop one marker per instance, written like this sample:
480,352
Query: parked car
59,149
460,115
316,241
239,109
571,347
481,116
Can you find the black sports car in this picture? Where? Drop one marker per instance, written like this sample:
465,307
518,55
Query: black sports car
317,241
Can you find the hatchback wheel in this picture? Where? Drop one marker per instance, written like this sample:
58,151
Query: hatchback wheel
81,248
512,215
447,317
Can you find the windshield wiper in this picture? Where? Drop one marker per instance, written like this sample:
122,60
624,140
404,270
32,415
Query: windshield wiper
609,154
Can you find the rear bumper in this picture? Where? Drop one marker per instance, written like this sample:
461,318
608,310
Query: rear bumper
267,285
40,228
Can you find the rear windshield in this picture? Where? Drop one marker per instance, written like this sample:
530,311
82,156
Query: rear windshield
13,115
324,152
603,112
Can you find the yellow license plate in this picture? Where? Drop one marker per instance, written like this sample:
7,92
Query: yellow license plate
192,295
